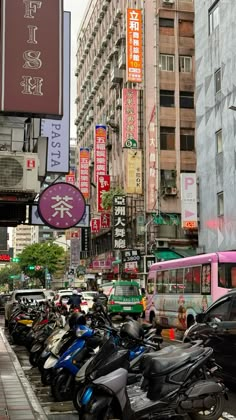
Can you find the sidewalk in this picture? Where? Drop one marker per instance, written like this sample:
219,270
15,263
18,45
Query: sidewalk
17,399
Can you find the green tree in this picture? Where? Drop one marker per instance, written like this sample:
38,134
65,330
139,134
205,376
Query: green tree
107,197
5,273
44,255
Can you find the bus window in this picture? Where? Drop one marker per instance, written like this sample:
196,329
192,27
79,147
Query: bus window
233,277
159,282
180,280
188,280
172,281
165,275
196,279
206,279
150,286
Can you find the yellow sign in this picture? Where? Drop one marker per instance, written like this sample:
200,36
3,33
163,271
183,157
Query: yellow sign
133,171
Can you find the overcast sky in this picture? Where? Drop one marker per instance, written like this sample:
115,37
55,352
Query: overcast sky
77,9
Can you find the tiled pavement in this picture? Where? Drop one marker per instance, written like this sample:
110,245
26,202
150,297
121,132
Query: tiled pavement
17,399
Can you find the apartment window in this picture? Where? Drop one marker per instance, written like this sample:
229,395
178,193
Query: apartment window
218,81
167,62
219,145
167,98
166,23
186,100
167,138
213,17
186,140
185,64
220,204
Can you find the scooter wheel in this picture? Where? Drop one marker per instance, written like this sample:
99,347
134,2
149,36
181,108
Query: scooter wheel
33,359
77,398
58,389
46,377
214,413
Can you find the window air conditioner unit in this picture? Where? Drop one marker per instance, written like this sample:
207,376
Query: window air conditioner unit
168,1
90,115
107,64
19,172
170,191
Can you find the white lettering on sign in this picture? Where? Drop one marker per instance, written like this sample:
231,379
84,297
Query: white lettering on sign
32,85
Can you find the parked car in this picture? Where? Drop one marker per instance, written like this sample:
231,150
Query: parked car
62,297
49,294
89,296
3,299
217,328
35,294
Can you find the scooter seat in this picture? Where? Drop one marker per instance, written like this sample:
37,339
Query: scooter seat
164,363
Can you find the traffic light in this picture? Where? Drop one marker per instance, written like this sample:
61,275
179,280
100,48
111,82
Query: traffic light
31,267
16,259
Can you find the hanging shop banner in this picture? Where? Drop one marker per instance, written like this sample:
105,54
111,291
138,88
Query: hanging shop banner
189,200
74,251
151,173
85,243
70,178
134,45
105,220
58,132
100,154
130,118
119,222
95,225
84,174
61,205
133,171
31,58
103,185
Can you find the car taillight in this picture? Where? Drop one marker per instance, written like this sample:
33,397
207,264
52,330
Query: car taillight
84,303
112,302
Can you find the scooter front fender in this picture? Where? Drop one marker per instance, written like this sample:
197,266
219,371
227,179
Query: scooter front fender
36,347
50,362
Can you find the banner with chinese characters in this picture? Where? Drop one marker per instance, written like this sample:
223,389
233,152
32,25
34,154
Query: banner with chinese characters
105,220
134,45
95,225
85,243
100,154
130,118
84,175
151,164
119,222
133,171
70,178
103,184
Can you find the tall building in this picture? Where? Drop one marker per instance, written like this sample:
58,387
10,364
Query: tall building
216,123
23,236
165,116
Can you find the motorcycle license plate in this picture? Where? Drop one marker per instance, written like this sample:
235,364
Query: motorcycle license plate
127,308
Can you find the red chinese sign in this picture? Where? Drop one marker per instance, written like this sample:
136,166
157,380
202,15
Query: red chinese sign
100,155
105,220
129,118
84,175
31,62
151,164
95,225
103,184
134,45
70,178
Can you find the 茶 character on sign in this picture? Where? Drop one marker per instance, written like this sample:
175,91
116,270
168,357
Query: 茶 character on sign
62,206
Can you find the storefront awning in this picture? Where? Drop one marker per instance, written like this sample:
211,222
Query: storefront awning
172,254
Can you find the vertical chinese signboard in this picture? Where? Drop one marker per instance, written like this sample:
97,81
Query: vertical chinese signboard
189,201
129,118
151,164
70,178
134,45
31,58
105,220
95,225
85,243
103,184
133,171
84,175
119,222
100,156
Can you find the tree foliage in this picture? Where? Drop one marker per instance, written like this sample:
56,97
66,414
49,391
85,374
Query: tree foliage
107,197
5,273
44,255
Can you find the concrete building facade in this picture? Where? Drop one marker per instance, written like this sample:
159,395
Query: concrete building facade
216,123
165,98
22,236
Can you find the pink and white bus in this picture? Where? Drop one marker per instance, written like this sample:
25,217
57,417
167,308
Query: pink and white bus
179,289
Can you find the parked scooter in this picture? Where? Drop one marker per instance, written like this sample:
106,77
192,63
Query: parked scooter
175,383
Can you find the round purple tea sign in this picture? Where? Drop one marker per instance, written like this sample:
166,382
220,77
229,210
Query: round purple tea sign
61,205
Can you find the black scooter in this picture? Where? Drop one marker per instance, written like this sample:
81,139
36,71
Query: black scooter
175,383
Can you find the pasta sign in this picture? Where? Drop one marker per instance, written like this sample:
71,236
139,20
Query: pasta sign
31,62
